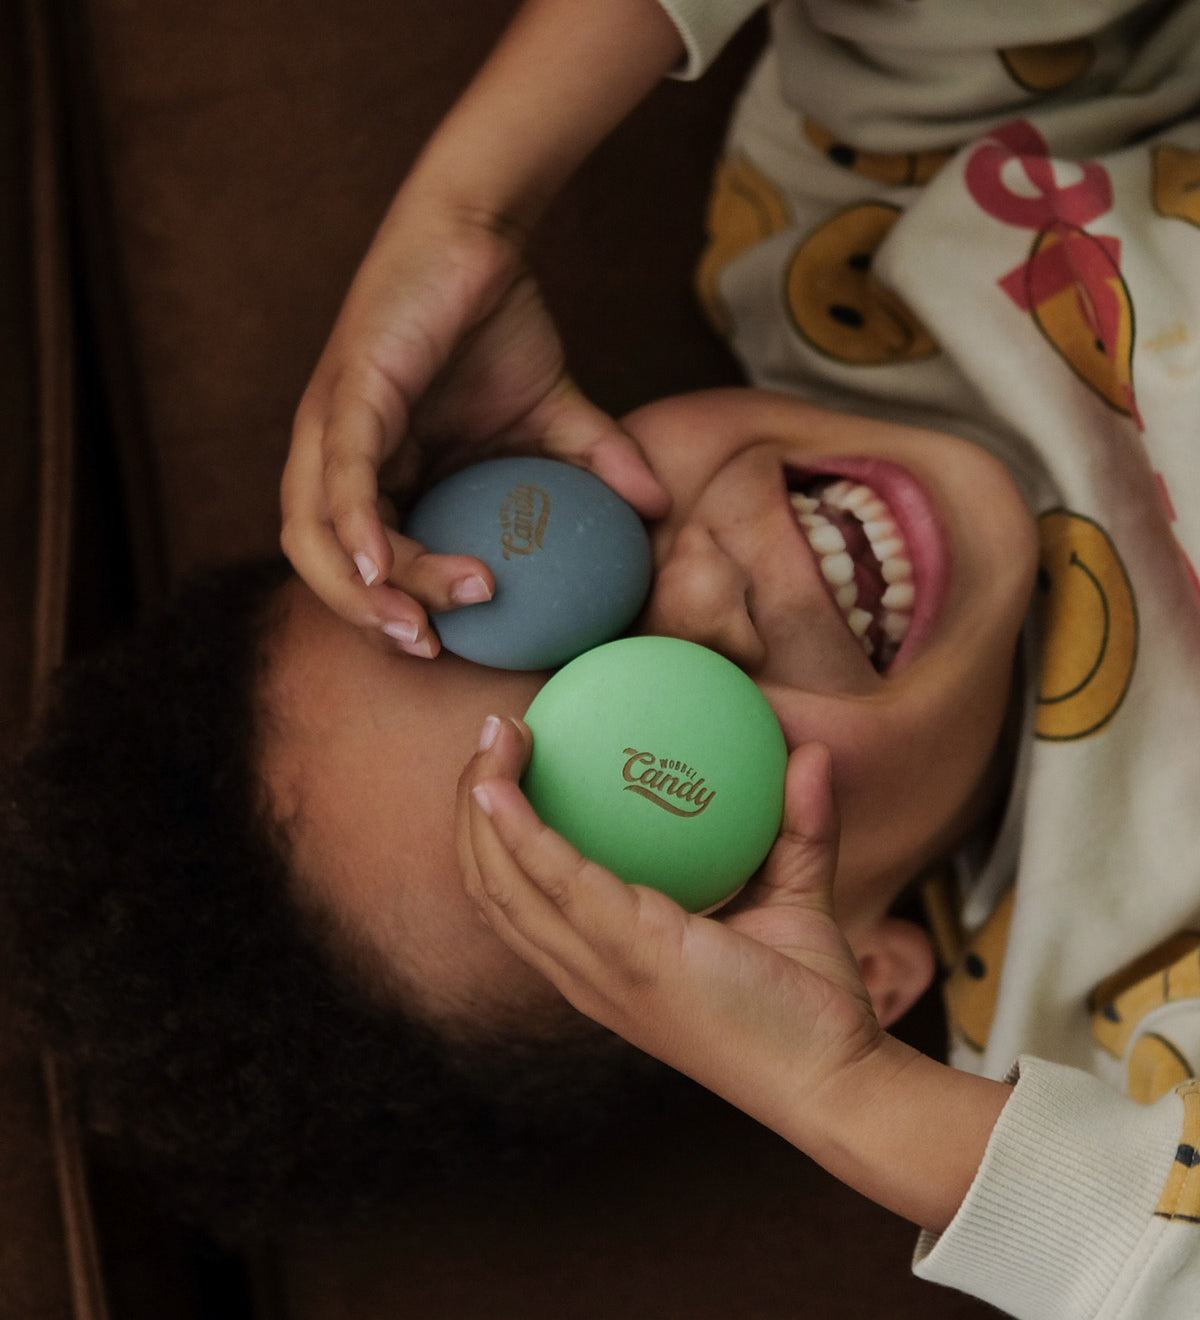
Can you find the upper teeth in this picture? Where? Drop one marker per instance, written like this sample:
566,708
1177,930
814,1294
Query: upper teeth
887,544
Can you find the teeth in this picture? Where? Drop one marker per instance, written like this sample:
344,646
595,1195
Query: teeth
838,570
895,625
853,497
899,596
859,621
874,511
887,544
891,549
826,540
879,529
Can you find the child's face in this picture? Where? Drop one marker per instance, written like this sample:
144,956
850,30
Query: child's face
368,746
912,730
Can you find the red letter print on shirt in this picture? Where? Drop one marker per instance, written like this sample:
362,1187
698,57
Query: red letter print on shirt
1071,283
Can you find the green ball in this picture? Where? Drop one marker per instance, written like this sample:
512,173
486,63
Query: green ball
663,762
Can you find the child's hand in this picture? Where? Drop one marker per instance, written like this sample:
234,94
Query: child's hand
764,1007
443,333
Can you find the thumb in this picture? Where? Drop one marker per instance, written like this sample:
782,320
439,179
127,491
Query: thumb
798,873
576,430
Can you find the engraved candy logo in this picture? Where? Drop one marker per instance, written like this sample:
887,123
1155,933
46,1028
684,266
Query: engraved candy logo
523,518
666,783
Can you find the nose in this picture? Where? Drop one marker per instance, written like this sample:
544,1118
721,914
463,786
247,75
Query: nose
702,595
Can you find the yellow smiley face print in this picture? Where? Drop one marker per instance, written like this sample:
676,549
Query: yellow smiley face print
973,984
1176,183
1121,1005
895,167
744,208
1048,68
1091,628
1180,1200
837,304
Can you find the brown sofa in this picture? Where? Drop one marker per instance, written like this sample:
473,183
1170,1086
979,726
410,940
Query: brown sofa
194,184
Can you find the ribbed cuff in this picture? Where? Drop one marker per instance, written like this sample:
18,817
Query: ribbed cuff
706,26
1064,1196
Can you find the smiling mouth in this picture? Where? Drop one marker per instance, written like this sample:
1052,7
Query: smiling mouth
863,558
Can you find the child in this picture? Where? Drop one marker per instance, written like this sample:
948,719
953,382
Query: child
229,881
1064,1193
232,1038
984,219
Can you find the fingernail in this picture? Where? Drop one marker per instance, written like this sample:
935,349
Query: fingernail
367,568
489,733
470,591
404,633
480,794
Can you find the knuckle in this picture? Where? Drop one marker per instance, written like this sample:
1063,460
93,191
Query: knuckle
336,467
499,895
344,510
557,874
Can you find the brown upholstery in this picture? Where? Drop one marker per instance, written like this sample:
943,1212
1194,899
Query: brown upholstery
223,166
252,150
46,1270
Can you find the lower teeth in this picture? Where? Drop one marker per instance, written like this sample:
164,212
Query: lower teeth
827,513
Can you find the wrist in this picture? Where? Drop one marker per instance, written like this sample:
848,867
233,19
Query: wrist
559,81
465,202
903,1129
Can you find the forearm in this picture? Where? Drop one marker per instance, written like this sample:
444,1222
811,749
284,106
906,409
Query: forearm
560,79
899,1127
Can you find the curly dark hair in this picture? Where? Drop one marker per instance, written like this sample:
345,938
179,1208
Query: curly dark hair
151,937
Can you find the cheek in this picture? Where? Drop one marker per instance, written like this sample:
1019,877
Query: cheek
454,969
908,780
462,959
687,440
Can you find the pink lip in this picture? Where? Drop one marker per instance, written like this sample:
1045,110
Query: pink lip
917,517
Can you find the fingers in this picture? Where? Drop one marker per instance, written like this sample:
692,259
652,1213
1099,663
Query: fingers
342,432
790,908
390,339
327,496
350,424
437,582
398,607
771,994
519,865
501,381
573,921
422,583
337,541
492,879
353,444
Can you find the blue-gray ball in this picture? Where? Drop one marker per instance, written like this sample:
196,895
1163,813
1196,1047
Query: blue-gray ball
571,560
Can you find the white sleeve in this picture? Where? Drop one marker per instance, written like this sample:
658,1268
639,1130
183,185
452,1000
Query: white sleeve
706,26
1070,1214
